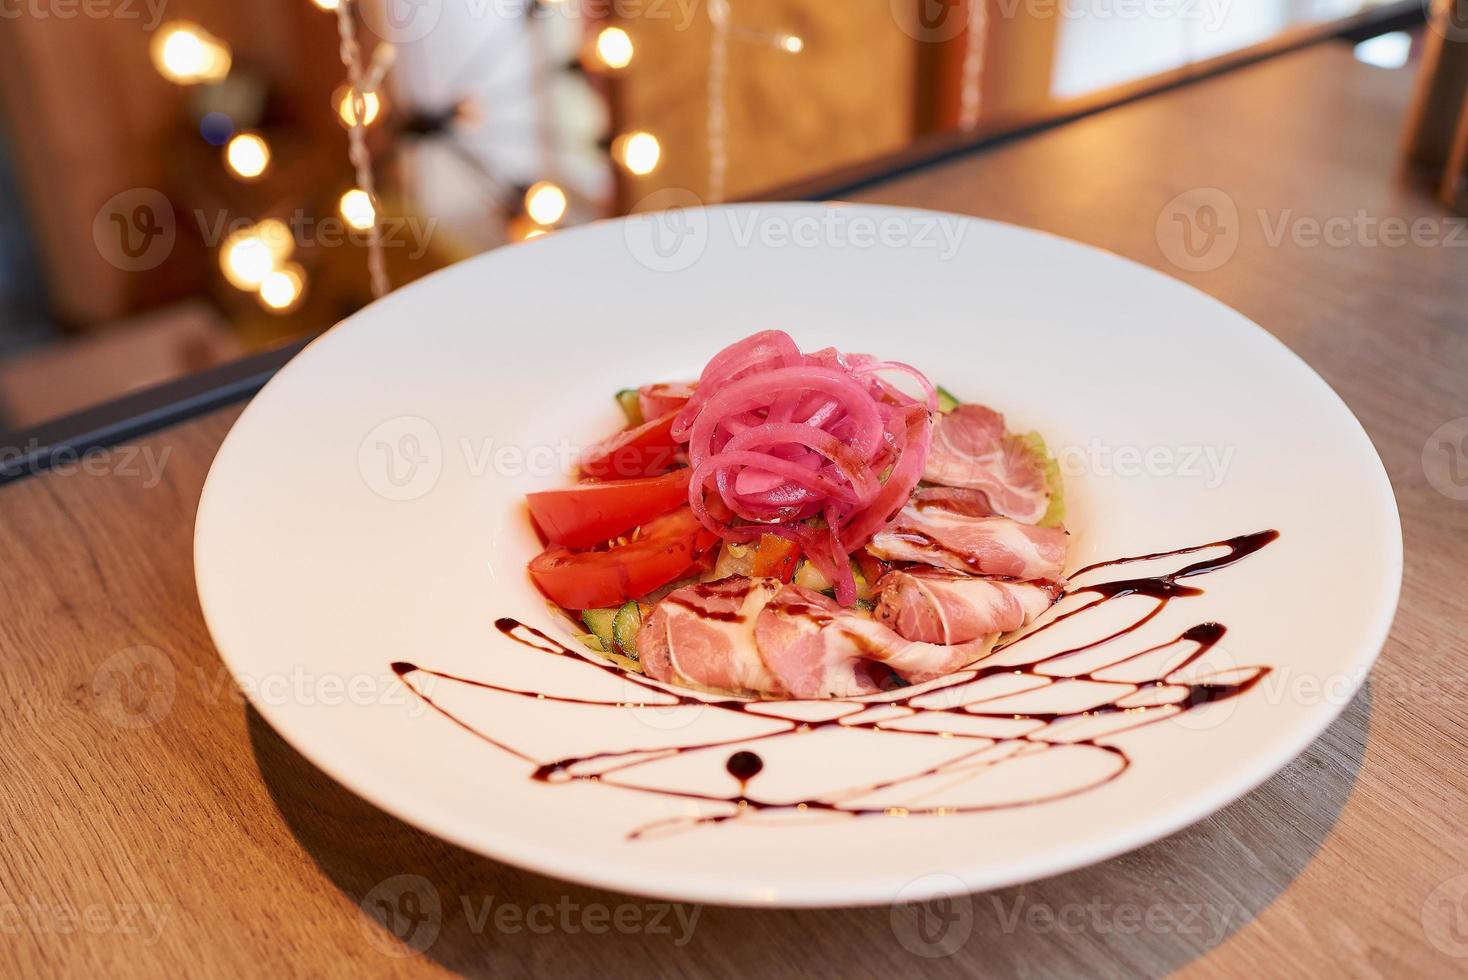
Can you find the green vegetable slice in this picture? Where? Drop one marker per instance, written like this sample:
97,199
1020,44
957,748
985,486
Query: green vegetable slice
1055,514
599,621
946,400
631,407
625,626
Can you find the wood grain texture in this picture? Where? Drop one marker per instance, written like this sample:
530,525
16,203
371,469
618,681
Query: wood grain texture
256,862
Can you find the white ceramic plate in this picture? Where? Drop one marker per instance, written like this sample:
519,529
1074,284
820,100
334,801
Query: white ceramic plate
366,509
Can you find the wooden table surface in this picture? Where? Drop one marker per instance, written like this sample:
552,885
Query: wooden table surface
152,823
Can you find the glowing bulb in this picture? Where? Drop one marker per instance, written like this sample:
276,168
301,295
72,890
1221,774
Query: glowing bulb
357,208
614,47
370,102
246,260
535,233
639,152
248,155
276,235
545,203
186,53
327,4
282,288
792,43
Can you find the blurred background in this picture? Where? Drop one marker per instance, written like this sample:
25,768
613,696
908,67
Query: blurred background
177,192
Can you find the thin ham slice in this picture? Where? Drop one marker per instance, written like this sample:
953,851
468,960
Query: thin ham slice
819,650
660,399
972,450
938,606
974,545
703,636
955,500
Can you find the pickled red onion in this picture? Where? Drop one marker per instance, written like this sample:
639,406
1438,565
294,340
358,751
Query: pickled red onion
816,448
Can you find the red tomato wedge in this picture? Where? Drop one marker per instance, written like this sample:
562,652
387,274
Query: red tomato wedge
660,399
592,513
645,450
776,557
662,552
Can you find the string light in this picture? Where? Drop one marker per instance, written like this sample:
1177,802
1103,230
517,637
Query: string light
281,289
638,151
326,4
971,86
545,203
792,43
614,47
248,155
719,21
371,106
350,52
357,209
185,53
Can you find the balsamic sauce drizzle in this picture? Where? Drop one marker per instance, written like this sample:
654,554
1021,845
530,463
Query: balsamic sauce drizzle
744,765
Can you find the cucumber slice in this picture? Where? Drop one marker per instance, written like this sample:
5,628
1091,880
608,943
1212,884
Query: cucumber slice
625,626
599,621
807,575
591,642
810,577
946,401
631,407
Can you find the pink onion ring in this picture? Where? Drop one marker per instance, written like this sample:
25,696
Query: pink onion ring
817,448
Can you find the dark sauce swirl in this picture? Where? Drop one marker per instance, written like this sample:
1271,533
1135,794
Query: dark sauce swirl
744,765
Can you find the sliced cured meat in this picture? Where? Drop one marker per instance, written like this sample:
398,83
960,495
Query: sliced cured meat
794,637
955,500
658,400
818,650
975,545
703,635
938,606
972,450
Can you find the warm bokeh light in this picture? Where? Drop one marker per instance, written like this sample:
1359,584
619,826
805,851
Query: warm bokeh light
185,53
545,203
639,152
614,47
793,43
248,155
276,235
282,289
327,4
535,233
357,209
246,260
344,108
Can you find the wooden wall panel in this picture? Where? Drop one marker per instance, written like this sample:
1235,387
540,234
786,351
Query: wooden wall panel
848,96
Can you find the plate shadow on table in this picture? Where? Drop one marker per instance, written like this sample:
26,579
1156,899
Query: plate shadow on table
1144,913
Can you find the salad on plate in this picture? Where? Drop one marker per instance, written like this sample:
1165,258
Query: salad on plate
802,526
